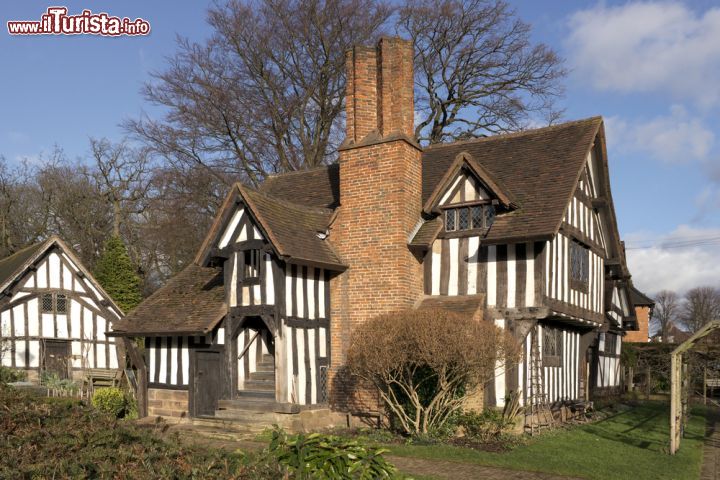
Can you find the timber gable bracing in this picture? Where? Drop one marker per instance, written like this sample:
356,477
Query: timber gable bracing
52,299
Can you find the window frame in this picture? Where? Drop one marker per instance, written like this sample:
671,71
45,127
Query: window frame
53,296
487,216
610,351
552,358
248,275
579,275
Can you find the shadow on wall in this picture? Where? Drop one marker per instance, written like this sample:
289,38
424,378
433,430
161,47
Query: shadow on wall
360,399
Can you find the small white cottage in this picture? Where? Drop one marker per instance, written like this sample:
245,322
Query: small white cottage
53,314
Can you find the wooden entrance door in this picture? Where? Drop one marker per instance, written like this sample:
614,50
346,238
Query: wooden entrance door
207,382
57,358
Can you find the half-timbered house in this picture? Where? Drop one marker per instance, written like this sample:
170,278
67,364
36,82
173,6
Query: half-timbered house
515,229
54,315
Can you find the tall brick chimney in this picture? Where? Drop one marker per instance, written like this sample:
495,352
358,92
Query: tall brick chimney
380,199
379,92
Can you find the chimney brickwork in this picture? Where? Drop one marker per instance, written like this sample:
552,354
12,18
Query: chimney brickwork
380,202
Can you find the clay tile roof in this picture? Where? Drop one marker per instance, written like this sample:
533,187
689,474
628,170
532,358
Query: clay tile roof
294,230
464,304
539,168
427,233
11,266
639,298
190,303
317,187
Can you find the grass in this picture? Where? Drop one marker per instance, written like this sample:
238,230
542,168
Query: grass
630,444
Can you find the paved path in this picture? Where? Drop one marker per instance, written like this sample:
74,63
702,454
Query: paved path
711,451
455,471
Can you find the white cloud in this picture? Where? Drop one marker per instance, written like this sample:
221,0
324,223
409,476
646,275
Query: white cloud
685,258
673,138
648,47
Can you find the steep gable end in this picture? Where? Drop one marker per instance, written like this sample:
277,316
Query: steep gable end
295,233
581,218
52,265
467,181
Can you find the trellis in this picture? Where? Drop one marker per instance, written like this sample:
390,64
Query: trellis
680,384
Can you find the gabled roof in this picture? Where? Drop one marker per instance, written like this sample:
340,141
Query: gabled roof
538,169
11,267
296,232
465,160
639,298
14,266
317,187
190,303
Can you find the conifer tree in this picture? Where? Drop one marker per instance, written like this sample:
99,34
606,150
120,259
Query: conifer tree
118,275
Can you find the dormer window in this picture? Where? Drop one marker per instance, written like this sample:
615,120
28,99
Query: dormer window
252,264
471,217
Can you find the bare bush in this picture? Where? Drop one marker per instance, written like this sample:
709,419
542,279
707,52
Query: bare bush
424,361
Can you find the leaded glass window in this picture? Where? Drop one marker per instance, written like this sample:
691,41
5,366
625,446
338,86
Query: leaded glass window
489,215
552,347
579,266
47,303
463,218
450,220
61,303
477,216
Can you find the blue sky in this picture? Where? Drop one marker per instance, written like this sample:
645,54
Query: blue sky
651,69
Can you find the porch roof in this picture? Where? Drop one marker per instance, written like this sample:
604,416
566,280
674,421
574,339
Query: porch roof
472,305
192,302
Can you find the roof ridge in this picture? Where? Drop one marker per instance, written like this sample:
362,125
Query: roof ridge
295,172
22,250
502,136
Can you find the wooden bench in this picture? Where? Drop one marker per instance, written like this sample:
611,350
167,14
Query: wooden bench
100,377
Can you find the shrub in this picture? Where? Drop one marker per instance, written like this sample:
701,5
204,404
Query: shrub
63,438
9,375
486,426
317,456
424,361
118,276
109,400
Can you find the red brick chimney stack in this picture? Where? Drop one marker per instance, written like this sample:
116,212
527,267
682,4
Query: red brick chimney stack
379,91
380,200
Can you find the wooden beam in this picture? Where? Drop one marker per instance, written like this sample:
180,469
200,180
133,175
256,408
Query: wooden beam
136,360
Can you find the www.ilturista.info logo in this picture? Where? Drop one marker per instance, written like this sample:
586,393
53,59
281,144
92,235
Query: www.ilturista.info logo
57,22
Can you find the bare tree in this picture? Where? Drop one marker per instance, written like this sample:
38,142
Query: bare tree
76,208
702,305
265,92
477,72
121,174
666,311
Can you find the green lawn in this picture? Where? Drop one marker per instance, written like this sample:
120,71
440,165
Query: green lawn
631,444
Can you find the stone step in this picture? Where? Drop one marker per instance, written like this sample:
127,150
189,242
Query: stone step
260,385
244,405
263,376
218,427
257,394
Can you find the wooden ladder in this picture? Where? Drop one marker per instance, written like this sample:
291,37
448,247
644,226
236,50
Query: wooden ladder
540,414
